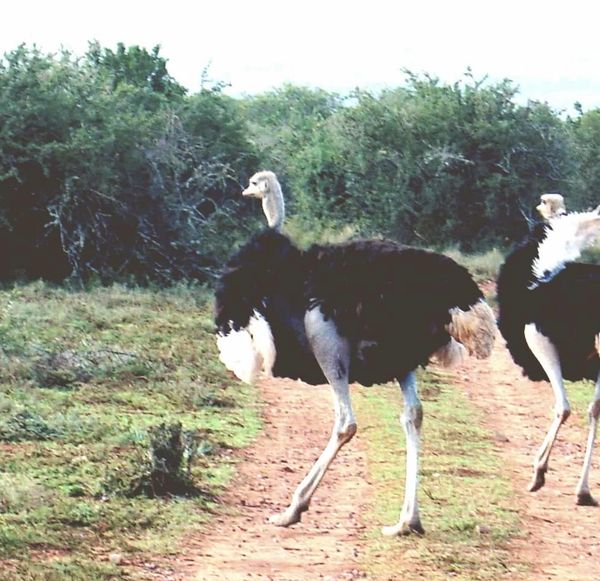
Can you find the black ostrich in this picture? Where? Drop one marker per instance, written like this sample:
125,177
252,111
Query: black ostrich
550,322
367,311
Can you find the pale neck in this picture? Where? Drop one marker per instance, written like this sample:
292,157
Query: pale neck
564,241
274,208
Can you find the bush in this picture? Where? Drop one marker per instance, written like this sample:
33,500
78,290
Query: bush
20,493
62,369
26,425
166,467
107,171
483,266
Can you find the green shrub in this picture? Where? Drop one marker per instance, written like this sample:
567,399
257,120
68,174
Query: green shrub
27,425
21,493
165,469
62,369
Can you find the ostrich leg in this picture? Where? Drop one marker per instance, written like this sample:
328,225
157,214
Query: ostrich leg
411,419
548,357
333,354
584,496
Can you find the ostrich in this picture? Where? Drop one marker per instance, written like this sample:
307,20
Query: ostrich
368,311
549,321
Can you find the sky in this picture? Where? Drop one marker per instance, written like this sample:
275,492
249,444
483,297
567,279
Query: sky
549,49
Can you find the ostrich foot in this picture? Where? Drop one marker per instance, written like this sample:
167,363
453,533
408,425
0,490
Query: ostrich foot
586,499
404,528
288,517
538,480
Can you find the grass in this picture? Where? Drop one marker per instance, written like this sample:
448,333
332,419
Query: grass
86,380
465,500
580,394
483,266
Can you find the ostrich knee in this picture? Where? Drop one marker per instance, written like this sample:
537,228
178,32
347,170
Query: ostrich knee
346,434
413,415
594,411
563,414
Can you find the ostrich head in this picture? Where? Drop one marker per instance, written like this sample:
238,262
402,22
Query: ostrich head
551,206
265,186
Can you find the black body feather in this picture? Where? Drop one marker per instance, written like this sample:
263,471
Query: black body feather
563,309
392,303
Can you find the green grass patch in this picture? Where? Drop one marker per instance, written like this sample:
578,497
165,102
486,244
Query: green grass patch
580,394
117,423
465,501
483,266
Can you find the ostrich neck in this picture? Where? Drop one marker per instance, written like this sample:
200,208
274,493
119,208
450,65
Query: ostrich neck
274,209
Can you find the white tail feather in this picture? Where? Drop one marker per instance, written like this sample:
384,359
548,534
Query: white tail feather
246,350
263,342
237,353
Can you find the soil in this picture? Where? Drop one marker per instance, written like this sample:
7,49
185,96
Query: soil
327,543
557,539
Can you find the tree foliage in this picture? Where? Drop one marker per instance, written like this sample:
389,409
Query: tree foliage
109,169
426,163
106,167
586,149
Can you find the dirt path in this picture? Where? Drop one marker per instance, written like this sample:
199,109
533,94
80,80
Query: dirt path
327,543
561,540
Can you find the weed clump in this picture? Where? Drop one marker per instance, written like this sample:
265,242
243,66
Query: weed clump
166,467
172,451
67,368
209,396
62,369
27,425
20,493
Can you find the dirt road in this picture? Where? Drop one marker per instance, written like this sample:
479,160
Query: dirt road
244,546
559,540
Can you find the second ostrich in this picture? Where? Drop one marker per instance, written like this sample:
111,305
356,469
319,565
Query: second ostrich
368,311
549,319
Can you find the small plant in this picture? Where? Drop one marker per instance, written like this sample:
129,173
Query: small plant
172,451
67,368
83,514
165,469
61,369
209,396
21,493
26,425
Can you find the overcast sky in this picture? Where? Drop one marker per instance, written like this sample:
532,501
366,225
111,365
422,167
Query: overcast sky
551,50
